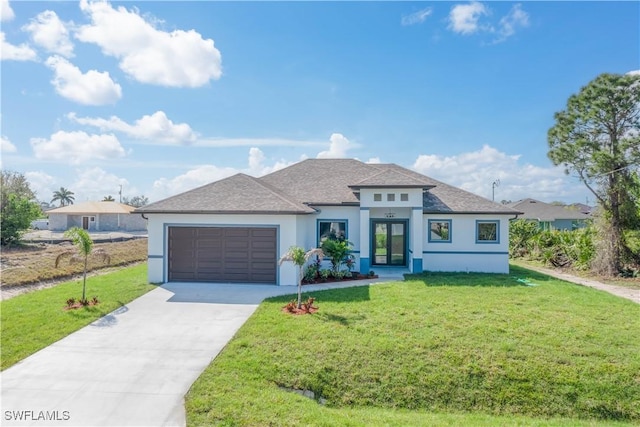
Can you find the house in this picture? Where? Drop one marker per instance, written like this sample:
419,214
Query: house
235,229
552,217
96,216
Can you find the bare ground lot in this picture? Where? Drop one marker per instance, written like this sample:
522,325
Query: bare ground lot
32,265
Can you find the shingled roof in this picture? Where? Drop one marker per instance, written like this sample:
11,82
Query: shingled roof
237,194
541,211
320,182
93,208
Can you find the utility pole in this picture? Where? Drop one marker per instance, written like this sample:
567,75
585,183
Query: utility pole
495,184
120,193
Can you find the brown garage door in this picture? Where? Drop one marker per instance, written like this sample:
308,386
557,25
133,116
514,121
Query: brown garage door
222,254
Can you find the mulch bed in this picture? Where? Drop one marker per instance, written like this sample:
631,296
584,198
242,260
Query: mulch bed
344,279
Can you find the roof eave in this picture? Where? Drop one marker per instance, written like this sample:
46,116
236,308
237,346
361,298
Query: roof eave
426,211
208,212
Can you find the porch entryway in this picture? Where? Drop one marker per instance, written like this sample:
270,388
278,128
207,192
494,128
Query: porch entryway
389,242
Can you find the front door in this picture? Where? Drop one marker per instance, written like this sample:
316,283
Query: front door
85,222
389,246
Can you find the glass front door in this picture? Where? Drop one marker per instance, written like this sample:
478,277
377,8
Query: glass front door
389,246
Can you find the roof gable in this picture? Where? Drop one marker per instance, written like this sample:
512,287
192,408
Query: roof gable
320,182
389,177
239,193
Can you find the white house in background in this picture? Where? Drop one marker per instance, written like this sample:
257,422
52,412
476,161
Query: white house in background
234,230
96,216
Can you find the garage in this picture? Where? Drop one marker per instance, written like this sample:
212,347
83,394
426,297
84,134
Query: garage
223,254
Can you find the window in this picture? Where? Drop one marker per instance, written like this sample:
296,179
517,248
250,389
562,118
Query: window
391,197
331,229
487,231
439,231
377,197
404,197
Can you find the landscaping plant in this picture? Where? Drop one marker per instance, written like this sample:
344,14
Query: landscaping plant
299,257
84,246
338,250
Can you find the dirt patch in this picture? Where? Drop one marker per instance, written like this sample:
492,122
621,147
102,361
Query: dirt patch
32,266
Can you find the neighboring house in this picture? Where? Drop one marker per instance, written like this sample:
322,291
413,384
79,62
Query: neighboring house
96,216
236,229
551,217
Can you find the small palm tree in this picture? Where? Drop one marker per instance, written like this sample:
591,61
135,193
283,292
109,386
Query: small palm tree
84,246
64,196
108,198
299,257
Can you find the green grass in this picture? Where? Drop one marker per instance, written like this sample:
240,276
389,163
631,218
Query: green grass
32,321
437,349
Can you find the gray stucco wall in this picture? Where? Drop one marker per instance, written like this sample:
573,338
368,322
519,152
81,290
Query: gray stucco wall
103,222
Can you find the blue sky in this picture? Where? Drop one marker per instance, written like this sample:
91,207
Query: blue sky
161,97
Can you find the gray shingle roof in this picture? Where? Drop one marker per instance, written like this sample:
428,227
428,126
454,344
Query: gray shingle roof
391,178
318,182
541,211
237,194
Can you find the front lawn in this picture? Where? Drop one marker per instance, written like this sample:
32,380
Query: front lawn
32,321
437,349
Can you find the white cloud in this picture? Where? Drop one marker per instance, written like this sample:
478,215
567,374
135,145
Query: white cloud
476,171
155,127
634,73
90,88
338,147
205,174
417,17
463,18
48,31
92,184
6,146
6,13
42,184
10,52
149,55
195,177
516,18
77,147
256,142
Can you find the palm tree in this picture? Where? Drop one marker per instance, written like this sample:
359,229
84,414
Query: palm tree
84,246
108,199
299,257
64,196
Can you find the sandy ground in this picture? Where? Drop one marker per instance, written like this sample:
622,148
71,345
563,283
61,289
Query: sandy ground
621,291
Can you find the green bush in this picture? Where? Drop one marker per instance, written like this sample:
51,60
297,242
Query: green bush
560,248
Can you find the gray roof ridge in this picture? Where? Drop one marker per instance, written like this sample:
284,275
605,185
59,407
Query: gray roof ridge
388,170
281,195
181,194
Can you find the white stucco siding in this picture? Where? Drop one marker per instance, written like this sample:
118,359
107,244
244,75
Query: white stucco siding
158,224
367,197
464,252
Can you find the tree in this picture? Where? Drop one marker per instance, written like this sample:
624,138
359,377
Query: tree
64,196
299,257
15,183
136,201
108,198
84,246
598,138
16,216
18,207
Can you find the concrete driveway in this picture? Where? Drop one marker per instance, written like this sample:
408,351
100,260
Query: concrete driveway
133,366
